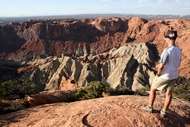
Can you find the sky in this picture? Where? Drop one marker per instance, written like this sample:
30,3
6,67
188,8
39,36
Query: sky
19,8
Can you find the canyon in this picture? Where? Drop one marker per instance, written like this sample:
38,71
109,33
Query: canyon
60,56
122,51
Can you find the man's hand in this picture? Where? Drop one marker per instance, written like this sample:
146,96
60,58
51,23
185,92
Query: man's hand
160,68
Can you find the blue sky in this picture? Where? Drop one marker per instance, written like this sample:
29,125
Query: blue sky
12,8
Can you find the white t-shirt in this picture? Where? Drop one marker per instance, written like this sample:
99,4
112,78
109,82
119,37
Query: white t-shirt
171,58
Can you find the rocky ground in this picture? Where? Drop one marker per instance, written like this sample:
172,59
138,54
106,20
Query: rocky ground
112,111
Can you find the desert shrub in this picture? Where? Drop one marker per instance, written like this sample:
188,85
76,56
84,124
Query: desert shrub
81,94
2,92
120,91
182,91
182,88
8,106
16,107
70,97
16,89
142,92
147,87
94,89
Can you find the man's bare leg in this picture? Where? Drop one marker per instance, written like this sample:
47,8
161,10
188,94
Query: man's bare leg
152,97
167,100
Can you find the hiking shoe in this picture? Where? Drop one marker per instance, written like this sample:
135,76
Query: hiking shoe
162,113
147,108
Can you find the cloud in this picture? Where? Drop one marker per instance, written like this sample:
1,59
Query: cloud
104,0
1,1
4,1
177,1
159,1
172,1
142,1
112,0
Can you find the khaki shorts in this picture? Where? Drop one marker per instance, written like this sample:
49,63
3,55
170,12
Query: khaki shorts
163,84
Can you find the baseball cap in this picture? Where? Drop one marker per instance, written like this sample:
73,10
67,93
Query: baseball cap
171,34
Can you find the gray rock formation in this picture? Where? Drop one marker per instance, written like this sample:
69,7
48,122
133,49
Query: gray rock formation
128,66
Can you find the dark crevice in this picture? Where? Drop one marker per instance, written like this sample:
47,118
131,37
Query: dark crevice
85,121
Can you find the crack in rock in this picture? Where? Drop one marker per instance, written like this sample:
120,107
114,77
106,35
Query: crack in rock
85,121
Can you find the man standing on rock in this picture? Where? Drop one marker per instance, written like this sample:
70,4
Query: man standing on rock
167,73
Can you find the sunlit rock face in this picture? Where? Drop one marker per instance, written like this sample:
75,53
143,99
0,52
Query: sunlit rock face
128,66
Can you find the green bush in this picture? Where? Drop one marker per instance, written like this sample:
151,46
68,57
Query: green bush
2,92
182,91
96,89
142,92
16,107
71,97
93,90
81,94
16,89
120,91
